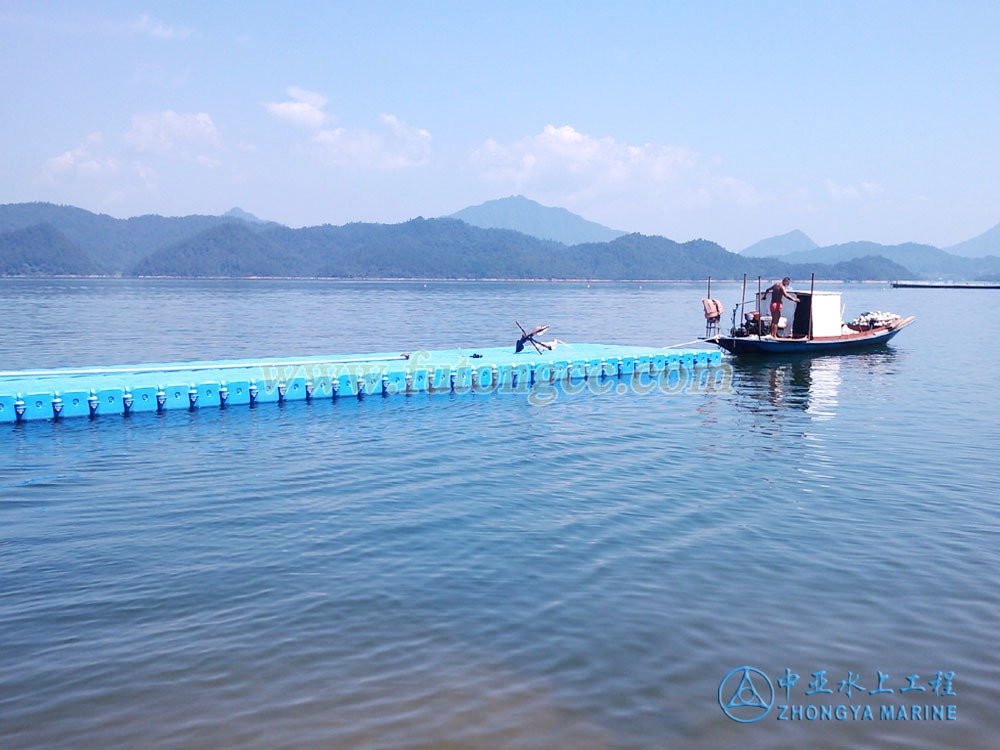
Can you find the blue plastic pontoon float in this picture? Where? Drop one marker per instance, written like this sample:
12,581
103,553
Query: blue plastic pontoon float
103,390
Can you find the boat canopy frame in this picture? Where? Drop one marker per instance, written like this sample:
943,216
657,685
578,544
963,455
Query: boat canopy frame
808,320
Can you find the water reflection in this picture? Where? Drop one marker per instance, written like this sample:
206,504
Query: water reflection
824,388
809,384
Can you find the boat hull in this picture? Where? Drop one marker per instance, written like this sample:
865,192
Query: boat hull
827,345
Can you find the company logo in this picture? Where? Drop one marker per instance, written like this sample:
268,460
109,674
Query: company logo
746,695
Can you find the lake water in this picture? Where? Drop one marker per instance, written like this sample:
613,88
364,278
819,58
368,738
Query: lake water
477,571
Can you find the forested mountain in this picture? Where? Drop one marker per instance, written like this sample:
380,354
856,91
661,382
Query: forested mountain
973,259
925,260
240,244
857,269
447,248
443,248
79,242
114,244
42,250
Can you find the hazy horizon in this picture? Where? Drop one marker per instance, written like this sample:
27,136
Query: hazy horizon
729,123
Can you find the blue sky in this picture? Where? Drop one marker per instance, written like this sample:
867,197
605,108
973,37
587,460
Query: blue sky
730,121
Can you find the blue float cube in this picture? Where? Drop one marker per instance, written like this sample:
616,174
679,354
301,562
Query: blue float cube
37,406
143,399
208,394
110,401
7,413
176,396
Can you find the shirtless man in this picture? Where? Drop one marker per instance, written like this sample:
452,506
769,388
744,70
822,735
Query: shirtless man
778,290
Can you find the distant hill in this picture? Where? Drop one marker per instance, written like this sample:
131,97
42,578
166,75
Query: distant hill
924,260
918,258
80,242
232,250
987,243
240,244
448,248
42,250
114,244
861,269
529,217
442,248
238,213
782,244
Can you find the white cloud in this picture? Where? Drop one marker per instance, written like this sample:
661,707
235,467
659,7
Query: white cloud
314,98
564,154
171,134
396,145
739,191
146,175
852,192
145,24
305,109
159,147
83,162
567,167
161,154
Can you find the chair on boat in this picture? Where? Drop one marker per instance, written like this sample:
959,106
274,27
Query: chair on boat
713,314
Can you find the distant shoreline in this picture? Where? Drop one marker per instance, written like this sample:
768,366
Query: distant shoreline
417,279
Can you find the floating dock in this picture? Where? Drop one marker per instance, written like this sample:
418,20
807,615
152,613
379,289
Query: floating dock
121,390
943,285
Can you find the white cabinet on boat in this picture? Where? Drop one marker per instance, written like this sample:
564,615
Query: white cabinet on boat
825,318
826,314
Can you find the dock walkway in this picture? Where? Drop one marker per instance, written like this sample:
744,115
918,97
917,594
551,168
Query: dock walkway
110,390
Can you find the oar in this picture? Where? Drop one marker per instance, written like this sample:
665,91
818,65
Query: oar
528,338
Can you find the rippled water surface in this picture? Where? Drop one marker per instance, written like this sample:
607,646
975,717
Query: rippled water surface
476,571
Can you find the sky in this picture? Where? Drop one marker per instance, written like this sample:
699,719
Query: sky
731,121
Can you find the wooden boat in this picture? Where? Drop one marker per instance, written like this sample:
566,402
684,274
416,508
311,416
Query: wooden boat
817,327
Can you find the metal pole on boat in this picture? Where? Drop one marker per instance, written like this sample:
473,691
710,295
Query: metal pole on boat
758,307
812,284
743,301
709,295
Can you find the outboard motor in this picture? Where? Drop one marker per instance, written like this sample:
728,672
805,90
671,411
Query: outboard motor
752,324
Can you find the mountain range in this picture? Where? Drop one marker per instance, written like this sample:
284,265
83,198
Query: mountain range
449,248
988,243
979,259
46,239
114,245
